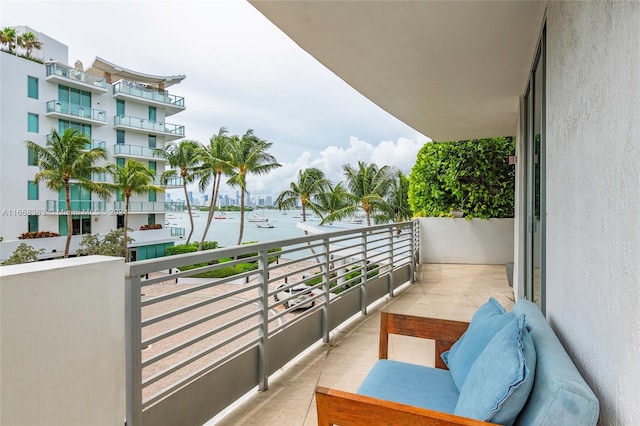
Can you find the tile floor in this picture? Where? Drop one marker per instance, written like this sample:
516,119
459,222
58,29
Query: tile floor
443,291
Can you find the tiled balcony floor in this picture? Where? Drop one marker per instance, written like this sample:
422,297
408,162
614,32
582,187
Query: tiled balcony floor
443,291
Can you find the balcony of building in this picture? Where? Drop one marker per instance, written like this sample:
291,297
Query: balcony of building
235,350
174,182
59,73
141,206
135,151
66,110
78,207
149,95
149,127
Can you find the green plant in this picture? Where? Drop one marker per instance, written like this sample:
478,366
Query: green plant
473,176
23,254
40,234
111,245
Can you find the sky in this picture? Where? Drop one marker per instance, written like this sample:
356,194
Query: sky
242,72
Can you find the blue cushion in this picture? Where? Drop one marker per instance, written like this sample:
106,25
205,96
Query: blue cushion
560,396
485,323
411,384
499,383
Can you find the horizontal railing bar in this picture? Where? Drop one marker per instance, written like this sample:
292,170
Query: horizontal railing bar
193,306
191,324
197,339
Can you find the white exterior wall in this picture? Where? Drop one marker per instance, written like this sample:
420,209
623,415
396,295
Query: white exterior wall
14,171
62,342
593,196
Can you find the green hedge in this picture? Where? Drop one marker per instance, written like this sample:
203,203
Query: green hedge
473,176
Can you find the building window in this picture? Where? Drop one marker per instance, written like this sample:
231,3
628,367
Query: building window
152,196
151,219
152,114
120,162
80,225
120,221
119,107
32,190
32,223
84,129
33,124
32,87
120,137
152,141
31,158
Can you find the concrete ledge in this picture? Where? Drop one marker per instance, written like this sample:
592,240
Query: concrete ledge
475,241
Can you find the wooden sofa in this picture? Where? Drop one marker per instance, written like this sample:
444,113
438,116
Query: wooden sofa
559,395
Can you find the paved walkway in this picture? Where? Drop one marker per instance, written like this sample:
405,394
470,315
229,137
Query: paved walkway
443,291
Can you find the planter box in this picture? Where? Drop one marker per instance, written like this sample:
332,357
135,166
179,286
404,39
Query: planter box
476,241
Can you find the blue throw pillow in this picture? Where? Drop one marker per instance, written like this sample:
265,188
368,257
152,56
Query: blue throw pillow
499,383
485,323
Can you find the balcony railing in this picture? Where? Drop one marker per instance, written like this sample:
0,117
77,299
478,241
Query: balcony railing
175,206
65,109
176,232
142,92
171,182
170,131
185,341
78,207
140,206
94,143
134,151
75,78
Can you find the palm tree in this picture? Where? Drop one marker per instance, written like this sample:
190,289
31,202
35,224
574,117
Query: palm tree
8,38
132,178
368,186
215,163
66,159
397,200
333,200
184,158
29,41
248,155
311,184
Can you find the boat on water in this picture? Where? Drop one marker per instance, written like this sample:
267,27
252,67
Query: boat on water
257,217
265,225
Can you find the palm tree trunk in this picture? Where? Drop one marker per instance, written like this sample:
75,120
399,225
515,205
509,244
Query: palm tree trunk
241,217
186,196
67,198
304,212
126,229
212,208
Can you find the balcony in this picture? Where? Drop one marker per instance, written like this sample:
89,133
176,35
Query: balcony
141,125
140,206
176,232
78,207
203,343
174,182
66,111
94,143
138,92
135,151
71,77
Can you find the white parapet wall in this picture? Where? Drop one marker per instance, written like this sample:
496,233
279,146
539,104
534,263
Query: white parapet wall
475,241
62,338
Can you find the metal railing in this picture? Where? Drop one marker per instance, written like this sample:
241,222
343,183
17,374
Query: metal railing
176,232
149,125
197,340
75,110
138,90
134,151
140,206
68,72
87,207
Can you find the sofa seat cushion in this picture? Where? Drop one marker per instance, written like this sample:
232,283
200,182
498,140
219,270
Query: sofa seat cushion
490,318
411,384
500,380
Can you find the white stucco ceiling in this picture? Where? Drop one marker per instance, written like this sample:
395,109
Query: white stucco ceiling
450,69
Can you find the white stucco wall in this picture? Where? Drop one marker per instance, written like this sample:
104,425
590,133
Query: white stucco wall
476,241
593,196
62,342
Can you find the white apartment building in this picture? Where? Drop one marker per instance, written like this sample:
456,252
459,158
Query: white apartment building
121,110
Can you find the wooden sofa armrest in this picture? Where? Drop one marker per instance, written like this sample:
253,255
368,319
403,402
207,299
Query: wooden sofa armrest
336,407
444,332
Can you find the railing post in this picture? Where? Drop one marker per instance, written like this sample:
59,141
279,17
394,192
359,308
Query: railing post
327,290
133,350
263,346
415,240
390,271
363,276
